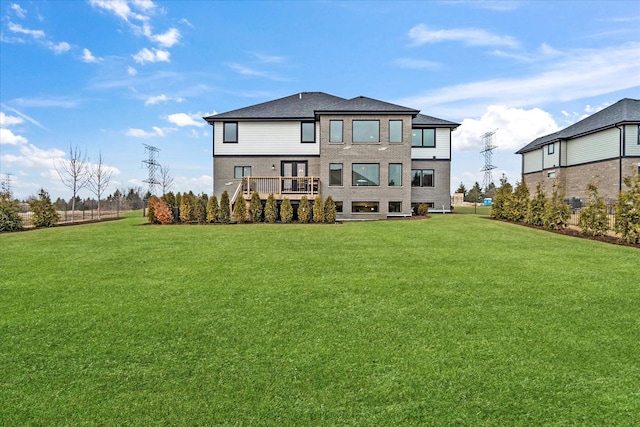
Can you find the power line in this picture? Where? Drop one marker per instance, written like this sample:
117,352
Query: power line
487,152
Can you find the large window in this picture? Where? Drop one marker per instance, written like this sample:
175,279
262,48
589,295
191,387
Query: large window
395,174
422,178
395,131
551,148
365,174
366,131
230,132
423,138
308,132
395,207
365,207
335,131
240,171
335,174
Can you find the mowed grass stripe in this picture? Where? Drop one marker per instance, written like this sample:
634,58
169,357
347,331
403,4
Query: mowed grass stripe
452,320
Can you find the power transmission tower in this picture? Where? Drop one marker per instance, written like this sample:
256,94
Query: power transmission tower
487,152
152,166
6,183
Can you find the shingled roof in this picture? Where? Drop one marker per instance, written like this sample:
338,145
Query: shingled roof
307,105
624,111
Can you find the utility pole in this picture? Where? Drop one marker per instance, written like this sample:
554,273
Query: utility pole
152,166
487,152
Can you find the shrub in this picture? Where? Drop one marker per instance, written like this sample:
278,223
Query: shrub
224,213
44,212
200,209
502,200
537,207
519,205
151,217
10,219
304,210
271,209
329,210
212,209
255,207
557,212
627,210
422,209
170,199
186,208
162,212
318,209
594,217
286,211
240,209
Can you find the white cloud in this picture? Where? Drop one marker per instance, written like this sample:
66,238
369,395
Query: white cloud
121,8
88,57
515,128
246,71
141,133
33,157
9,120
7,137
421,34
17,28
416,64
59,48
20,12
132,71
183,119
168,39
155,55
161,98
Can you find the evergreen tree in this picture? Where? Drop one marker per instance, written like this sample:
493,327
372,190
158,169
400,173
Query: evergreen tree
10,219
286,211
474,195
627,210
212,209
594,217
537,207
502,199
224,213
462,190
520,206
271,209
255,207
304,210
240,209
151,204
44,212
329,210
318,209
557,212
161,210
200,209
186,209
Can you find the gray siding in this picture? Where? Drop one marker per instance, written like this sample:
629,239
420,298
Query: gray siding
442,150
594,147
632,143
533,161
265,138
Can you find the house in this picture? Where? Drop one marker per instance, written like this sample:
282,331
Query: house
375,159
604,147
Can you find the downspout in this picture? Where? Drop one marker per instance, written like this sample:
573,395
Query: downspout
621,129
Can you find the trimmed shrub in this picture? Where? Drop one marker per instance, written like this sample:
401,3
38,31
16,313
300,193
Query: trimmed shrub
304,210
224,213
519,204
186,209
318,209
502,200
422,209
200,209
44,212
255,207
271,209
286,211
212,209
162,212
594,217
627,211
557,212
170,199
537,207
151,217
10,219
240,209
329,210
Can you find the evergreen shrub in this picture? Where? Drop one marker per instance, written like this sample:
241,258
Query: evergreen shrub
329,210
304,210
212,209
224,213
286,211
318,209
271,209
255,207
44,212
594,216
10,219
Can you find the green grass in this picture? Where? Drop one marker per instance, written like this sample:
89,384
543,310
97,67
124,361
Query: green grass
454,320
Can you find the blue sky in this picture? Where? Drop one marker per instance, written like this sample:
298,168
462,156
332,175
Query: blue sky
109,76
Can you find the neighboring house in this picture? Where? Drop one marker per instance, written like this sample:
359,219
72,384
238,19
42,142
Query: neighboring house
375,159
603,148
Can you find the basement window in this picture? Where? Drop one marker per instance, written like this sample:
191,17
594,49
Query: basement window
551,174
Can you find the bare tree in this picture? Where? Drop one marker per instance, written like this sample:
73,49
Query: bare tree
99,178
74,174
166,180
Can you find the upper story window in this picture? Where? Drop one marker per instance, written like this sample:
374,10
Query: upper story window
395,174
335,131
335,174
240,171
423,138
366,131
395,131
422,178
365,174
308,132
230,132
551,148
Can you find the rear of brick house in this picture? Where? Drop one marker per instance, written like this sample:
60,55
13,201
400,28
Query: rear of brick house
603,148
375,159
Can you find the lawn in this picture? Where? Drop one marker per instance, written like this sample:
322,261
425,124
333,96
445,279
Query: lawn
453,320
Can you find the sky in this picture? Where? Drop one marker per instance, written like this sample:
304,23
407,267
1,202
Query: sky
107,77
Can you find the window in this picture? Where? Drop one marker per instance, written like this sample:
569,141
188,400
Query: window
551,174
395,131
365,174
230,132
551,148
335,131
422,177
335,174
395,207
364,207
395,174
423,138
240,171
338,207
366,131
308,132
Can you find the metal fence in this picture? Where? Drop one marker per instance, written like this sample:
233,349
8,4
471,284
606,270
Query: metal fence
84,212
577,205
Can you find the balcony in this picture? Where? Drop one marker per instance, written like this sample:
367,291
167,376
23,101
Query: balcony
292,188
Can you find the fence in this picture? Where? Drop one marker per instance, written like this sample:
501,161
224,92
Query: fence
576,207
84,212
